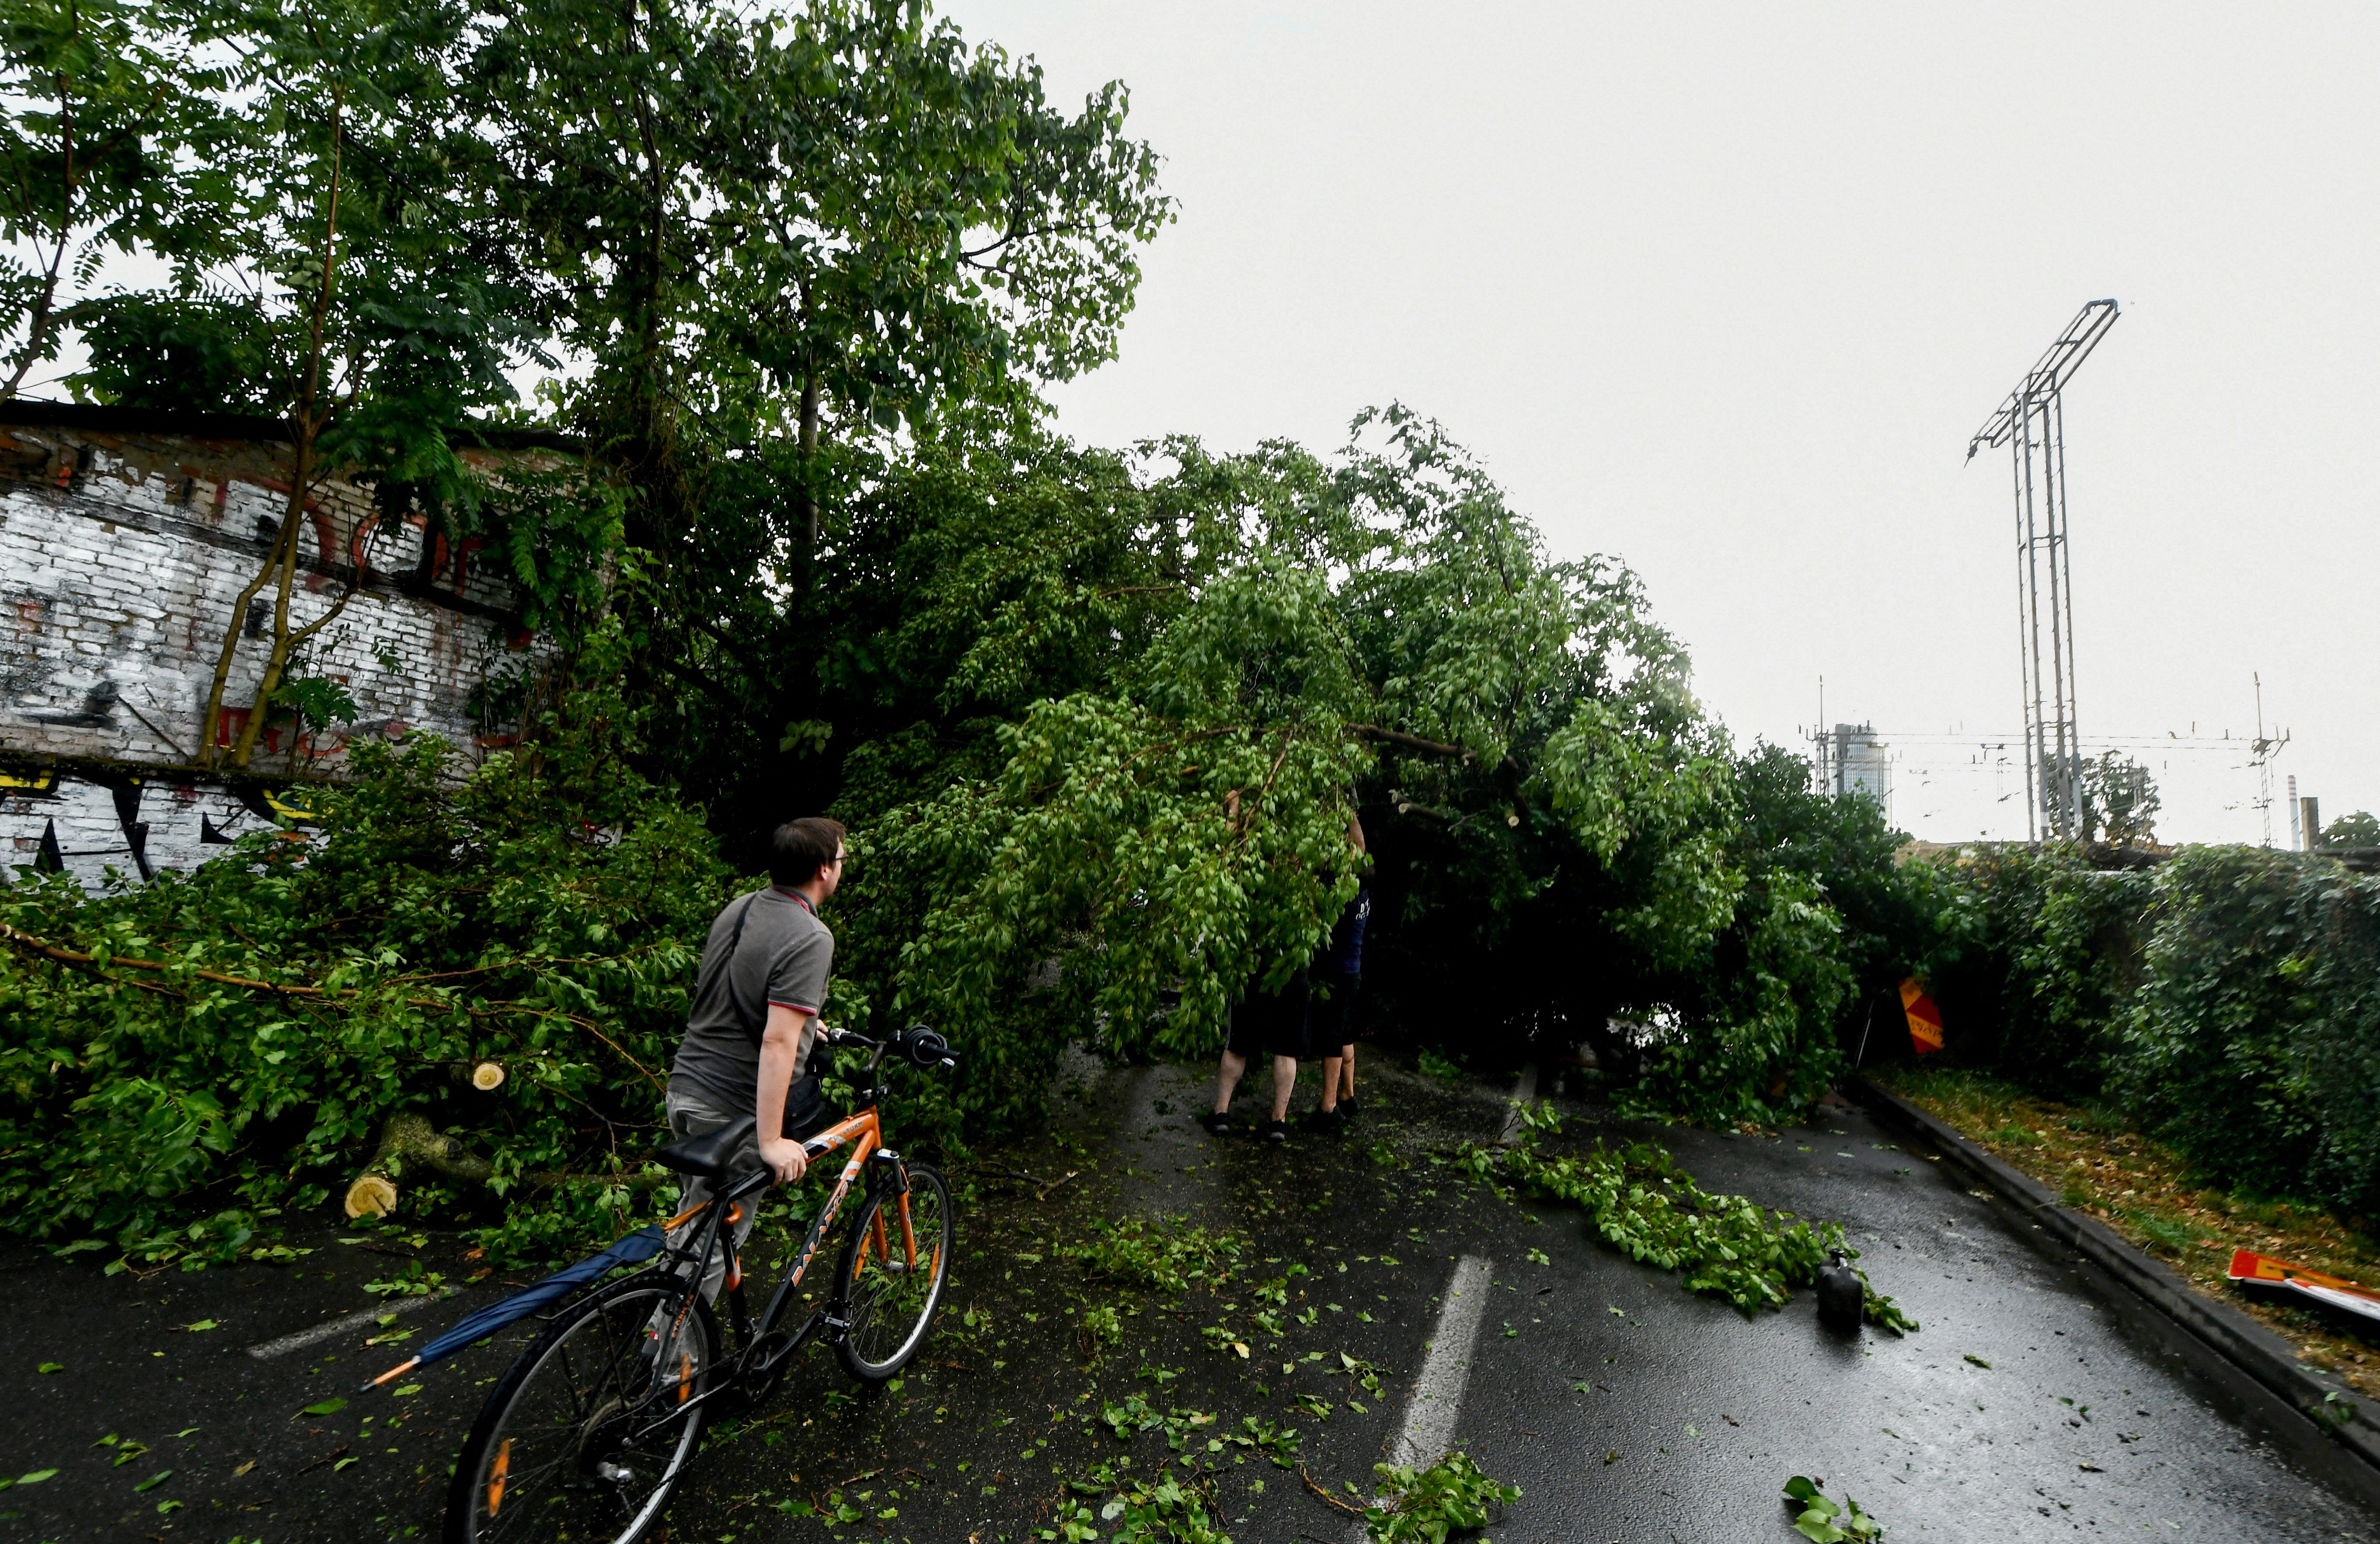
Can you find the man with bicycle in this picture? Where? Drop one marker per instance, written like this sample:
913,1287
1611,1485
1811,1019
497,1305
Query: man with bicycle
754,1023
586,1433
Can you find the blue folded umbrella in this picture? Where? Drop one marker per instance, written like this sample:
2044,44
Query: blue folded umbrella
635,1249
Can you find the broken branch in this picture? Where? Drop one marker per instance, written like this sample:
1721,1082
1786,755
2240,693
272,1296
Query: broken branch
411,1138
1351,1510
1378,736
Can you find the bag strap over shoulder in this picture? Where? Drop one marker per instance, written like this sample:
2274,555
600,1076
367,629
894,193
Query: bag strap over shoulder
757,1024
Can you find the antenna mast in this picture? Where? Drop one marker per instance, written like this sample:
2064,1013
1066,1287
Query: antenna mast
2032,421
2262,753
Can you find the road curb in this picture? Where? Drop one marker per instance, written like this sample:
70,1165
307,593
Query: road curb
2264,1356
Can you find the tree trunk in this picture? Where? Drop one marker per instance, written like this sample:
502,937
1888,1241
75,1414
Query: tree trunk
230,650
293,517
306,425
410,1140
809,459
406,1140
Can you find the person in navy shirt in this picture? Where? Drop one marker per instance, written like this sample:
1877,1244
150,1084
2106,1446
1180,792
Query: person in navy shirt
1336,974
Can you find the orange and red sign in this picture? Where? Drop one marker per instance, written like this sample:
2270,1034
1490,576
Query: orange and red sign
2249,1268
1924,1018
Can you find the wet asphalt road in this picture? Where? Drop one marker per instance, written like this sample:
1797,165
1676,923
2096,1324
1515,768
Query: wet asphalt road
1693,1420
2078,1427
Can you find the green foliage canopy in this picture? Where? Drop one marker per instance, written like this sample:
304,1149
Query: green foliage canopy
2358,830
86,162
294,996
1113,715
2119,800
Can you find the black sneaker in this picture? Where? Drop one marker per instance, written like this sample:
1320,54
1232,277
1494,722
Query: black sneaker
1218,1123
1349,1108
1331,1123
1274,1131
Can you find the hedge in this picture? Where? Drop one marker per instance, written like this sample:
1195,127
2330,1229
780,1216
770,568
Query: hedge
2228,999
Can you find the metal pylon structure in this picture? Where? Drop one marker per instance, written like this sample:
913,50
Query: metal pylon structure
2032,422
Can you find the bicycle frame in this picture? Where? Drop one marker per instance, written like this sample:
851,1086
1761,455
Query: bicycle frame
864,1135
865,1139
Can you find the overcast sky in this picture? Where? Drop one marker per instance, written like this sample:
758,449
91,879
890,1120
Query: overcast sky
1724,290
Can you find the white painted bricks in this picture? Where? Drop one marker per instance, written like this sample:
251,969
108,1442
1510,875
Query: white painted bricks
122,557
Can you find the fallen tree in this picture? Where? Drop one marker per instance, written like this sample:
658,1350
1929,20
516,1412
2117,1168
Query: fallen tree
1145,778
1136,701
467,989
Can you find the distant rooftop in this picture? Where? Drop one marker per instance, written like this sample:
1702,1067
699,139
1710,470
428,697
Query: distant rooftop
98,418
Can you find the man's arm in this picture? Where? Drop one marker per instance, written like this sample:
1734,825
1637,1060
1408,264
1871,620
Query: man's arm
781,1050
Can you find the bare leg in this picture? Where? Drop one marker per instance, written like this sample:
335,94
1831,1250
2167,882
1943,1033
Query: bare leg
1285,1078
1346,1058
1227,1077
1330,1084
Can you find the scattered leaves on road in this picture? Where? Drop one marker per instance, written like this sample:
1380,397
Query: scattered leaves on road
1821,1520
1167,1254
1453,1495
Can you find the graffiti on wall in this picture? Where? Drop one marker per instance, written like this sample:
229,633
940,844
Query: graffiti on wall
130,827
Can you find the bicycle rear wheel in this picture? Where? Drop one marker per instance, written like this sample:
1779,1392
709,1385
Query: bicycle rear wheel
893,1275
582,1438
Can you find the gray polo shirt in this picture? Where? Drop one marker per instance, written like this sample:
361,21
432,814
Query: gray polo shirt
765,948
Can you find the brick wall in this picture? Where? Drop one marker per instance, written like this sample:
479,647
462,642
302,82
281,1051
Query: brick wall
125,540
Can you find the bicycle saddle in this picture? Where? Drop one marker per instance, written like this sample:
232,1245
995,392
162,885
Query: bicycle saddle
706,1157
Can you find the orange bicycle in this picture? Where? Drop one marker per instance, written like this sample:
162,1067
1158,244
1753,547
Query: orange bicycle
590,1430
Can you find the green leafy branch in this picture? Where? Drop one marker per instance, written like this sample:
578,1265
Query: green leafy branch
1166,1254
1642,1203
1424,1503
1822,1521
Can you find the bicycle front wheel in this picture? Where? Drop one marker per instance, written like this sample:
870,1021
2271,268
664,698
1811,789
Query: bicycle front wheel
586,1433
893,1263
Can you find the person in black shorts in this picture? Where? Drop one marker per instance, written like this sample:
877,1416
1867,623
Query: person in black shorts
1263,1022
1337,973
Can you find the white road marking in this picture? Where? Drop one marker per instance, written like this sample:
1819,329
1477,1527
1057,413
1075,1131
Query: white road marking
331,1328
1438,1393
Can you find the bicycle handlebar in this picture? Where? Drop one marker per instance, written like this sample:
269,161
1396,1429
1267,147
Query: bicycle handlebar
921,1044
